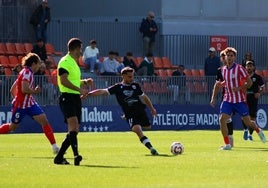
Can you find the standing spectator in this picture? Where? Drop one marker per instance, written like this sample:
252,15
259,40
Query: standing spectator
146,67
148,28
236,80
178,82
40,49
110,65
133,102
39,20
69,81
212,63
247,57
91,56
128,61
24,103
253,94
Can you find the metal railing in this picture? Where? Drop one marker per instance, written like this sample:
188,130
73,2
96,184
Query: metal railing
161,90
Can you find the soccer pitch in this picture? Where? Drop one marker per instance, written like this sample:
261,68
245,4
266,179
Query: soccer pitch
119,160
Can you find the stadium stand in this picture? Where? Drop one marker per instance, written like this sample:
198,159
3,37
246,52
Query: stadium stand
20,49
13,60
158,64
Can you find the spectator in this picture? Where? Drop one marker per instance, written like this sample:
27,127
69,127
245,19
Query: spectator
148,28
178,82
47,88
110,65
16,70
91,56
128,61
119,61
39,20
40,49
146,67
247,57
212,63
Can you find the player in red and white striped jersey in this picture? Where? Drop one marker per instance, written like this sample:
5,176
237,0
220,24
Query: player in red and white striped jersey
24,103
236,81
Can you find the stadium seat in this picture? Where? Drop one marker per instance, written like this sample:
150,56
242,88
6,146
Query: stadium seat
11,49
28,47
265,73
81,62
187,72
20,49
4,61
8,71
161,72
3,49
158,64
51,50
170,72
13,60
202,72
167,64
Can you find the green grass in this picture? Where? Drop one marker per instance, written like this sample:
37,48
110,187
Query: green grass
119,160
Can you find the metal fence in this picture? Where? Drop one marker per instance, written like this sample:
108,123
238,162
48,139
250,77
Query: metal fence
161,90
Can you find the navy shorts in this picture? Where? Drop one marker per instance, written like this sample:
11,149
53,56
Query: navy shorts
19,113
228,108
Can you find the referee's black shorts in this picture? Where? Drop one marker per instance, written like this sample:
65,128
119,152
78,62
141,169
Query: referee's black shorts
71,105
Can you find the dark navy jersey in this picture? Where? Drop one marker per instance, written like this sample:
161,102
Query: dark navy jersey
128,97
257,82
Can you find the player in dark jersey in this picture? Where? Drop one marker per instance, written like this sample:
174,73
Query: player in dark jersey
219,78
133,102
253,94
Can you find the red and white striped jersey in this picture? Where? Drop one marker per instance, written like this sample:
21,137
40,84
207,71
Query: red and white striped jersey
22,100
234,77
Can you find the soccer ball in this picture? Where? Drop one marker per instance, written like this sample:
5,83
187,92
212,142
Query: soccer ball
176,148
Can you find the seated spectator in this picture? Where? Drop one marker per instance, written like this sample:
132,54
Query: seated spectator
91,57
146,67
16,70
40,49
128,61
110,65
119,61
41,79
178,83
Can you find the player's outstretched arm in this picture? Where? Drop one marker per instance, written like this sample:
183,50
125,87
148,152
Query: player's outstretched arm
149,104
98,92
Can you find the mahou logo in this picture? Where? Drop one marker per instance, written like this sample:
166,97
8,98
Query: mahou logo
261,119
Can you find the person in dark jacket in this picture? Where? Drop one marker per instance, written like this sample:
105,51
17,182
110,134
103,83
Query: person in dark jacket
40,49
148,28
39,19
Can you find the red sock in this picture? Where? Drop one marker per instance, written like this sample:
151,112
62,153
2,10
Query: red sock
257,130
49,134
4,128
226,140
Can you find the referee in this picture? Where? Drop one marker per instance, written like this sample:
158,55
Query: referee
69,81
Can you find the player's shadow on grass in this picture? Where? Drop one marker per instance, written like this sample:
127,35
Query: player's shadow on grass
159,155
107,166
252,148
